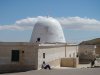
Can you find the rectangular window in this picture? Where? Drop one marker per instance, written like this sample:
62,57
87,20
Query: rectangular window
43,55
15,56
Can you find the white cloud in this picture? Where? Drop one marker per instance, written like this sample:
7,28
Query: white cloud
80,23
67,22
10,27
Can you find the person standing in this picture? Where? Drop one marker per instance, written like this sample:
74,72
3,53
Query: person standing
92,63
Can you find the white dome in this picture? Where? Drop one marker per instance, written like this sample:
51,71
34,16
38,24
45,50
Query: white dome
47,30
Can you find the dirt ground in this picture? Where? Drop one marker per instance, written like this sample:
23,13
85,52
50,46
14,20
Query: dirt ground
82,71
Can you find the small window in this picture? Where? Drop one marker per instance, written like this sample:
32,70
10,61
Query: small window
15,56
43,55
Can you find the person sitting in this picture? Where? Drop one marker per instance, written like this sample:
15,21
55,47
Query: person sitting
92,63
45,66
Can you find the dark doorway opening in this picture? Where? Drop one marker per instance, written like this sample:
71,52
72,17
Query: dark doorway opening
38,39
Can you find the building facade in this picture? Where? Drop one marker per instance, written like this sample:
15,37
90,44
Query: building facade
23,56
17,56
86,53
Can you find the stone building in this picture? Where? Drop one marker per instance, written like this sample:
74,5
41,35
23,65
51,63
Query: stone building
17,56
23,56
86,53
53,53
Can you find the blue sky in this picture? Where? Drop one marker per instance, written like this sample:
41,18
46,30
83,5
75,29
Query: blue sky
88,11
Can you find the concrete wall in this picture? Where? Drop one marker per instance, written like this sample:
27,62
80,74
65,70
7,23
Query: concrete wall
27,56
71,51
54,53
69,62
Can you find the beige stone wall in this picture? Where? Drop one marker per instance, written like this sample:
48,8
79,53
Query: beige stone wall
5,68
25,59
69,62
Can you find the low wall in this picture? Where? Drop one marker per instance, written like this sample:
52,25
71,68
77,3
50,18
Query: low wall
69,62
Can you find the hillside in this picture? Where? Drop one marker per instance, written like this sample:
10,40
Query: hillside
91,42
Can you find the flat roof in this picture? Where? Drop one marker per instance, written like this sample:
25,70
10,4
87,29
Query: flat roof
16,43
